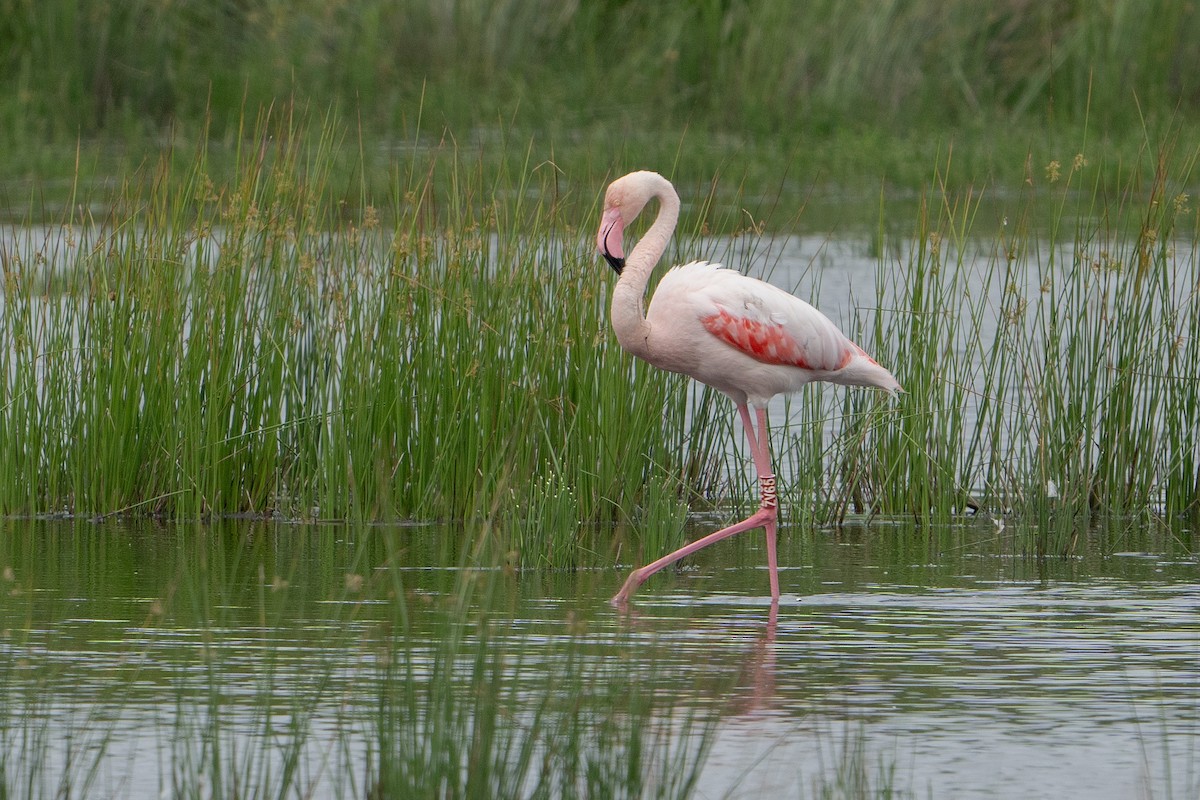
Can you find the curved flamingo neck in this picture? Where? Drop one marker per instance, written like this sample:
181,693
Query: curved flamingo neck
628,299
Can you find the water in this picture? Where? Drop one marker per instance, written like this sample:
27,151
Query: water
943,663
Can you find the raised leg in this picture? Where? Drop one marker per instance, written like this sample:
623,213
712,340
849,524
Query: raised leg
765,517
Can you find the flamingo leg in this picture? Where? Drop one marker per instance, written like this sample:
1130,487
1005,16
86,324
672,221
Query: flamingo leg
765,517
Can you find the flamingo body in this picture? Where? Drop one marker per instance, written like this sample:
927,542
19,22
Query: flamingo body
740,335
747,338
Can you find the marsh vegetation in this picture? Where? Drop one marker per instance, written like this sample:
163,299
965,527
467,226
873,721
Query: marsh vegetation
254,347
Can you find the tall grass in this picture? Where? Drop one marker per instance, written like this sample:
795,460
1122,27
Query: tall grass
1050,364
264,346
286,343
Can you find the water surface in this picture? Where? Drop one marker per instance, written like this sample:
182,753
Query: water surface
945,662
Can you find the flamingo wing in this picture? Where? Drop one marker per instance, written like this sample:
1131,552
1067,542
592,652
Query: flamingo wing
771,341
766,323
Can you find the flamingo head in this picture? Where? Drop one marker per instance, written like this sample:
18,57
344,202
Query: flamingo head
624,200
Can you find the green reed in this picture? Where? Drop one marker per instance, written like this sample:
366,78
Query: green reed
1049,365
279,345
286,341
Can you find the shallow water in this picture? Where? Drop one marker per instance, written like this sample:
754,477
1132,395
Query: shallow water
940,662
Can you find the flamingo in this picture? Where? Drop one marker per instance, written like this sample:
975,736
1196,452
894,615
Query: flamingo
739,335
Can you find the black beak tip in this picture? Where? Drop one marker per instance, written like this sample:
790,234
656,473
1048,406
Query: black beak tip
617,264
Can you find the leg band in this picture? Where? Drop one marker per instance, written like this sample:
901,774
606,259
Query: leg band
769,497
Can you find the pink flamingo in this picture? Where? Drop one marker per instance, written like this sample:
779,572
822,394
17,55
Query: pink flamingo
739,335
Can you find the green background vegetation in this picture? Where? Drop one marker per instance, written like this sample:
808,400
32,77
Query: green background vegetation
842,90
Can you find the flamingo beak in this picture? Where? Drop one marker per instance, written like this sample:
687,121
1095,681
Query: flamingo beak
608,241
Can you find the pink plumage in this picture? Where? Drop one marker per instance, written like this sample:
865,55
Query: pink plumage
740,335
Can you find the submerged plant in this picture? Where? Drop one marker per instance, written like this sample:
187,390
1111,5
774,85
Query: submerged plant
470,718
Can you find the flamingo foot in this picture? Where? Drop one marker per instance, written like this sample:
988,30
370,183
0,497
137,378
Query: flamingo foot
621,598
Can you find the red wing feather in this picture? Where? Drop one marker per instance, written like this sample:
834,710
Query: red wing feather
770,343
